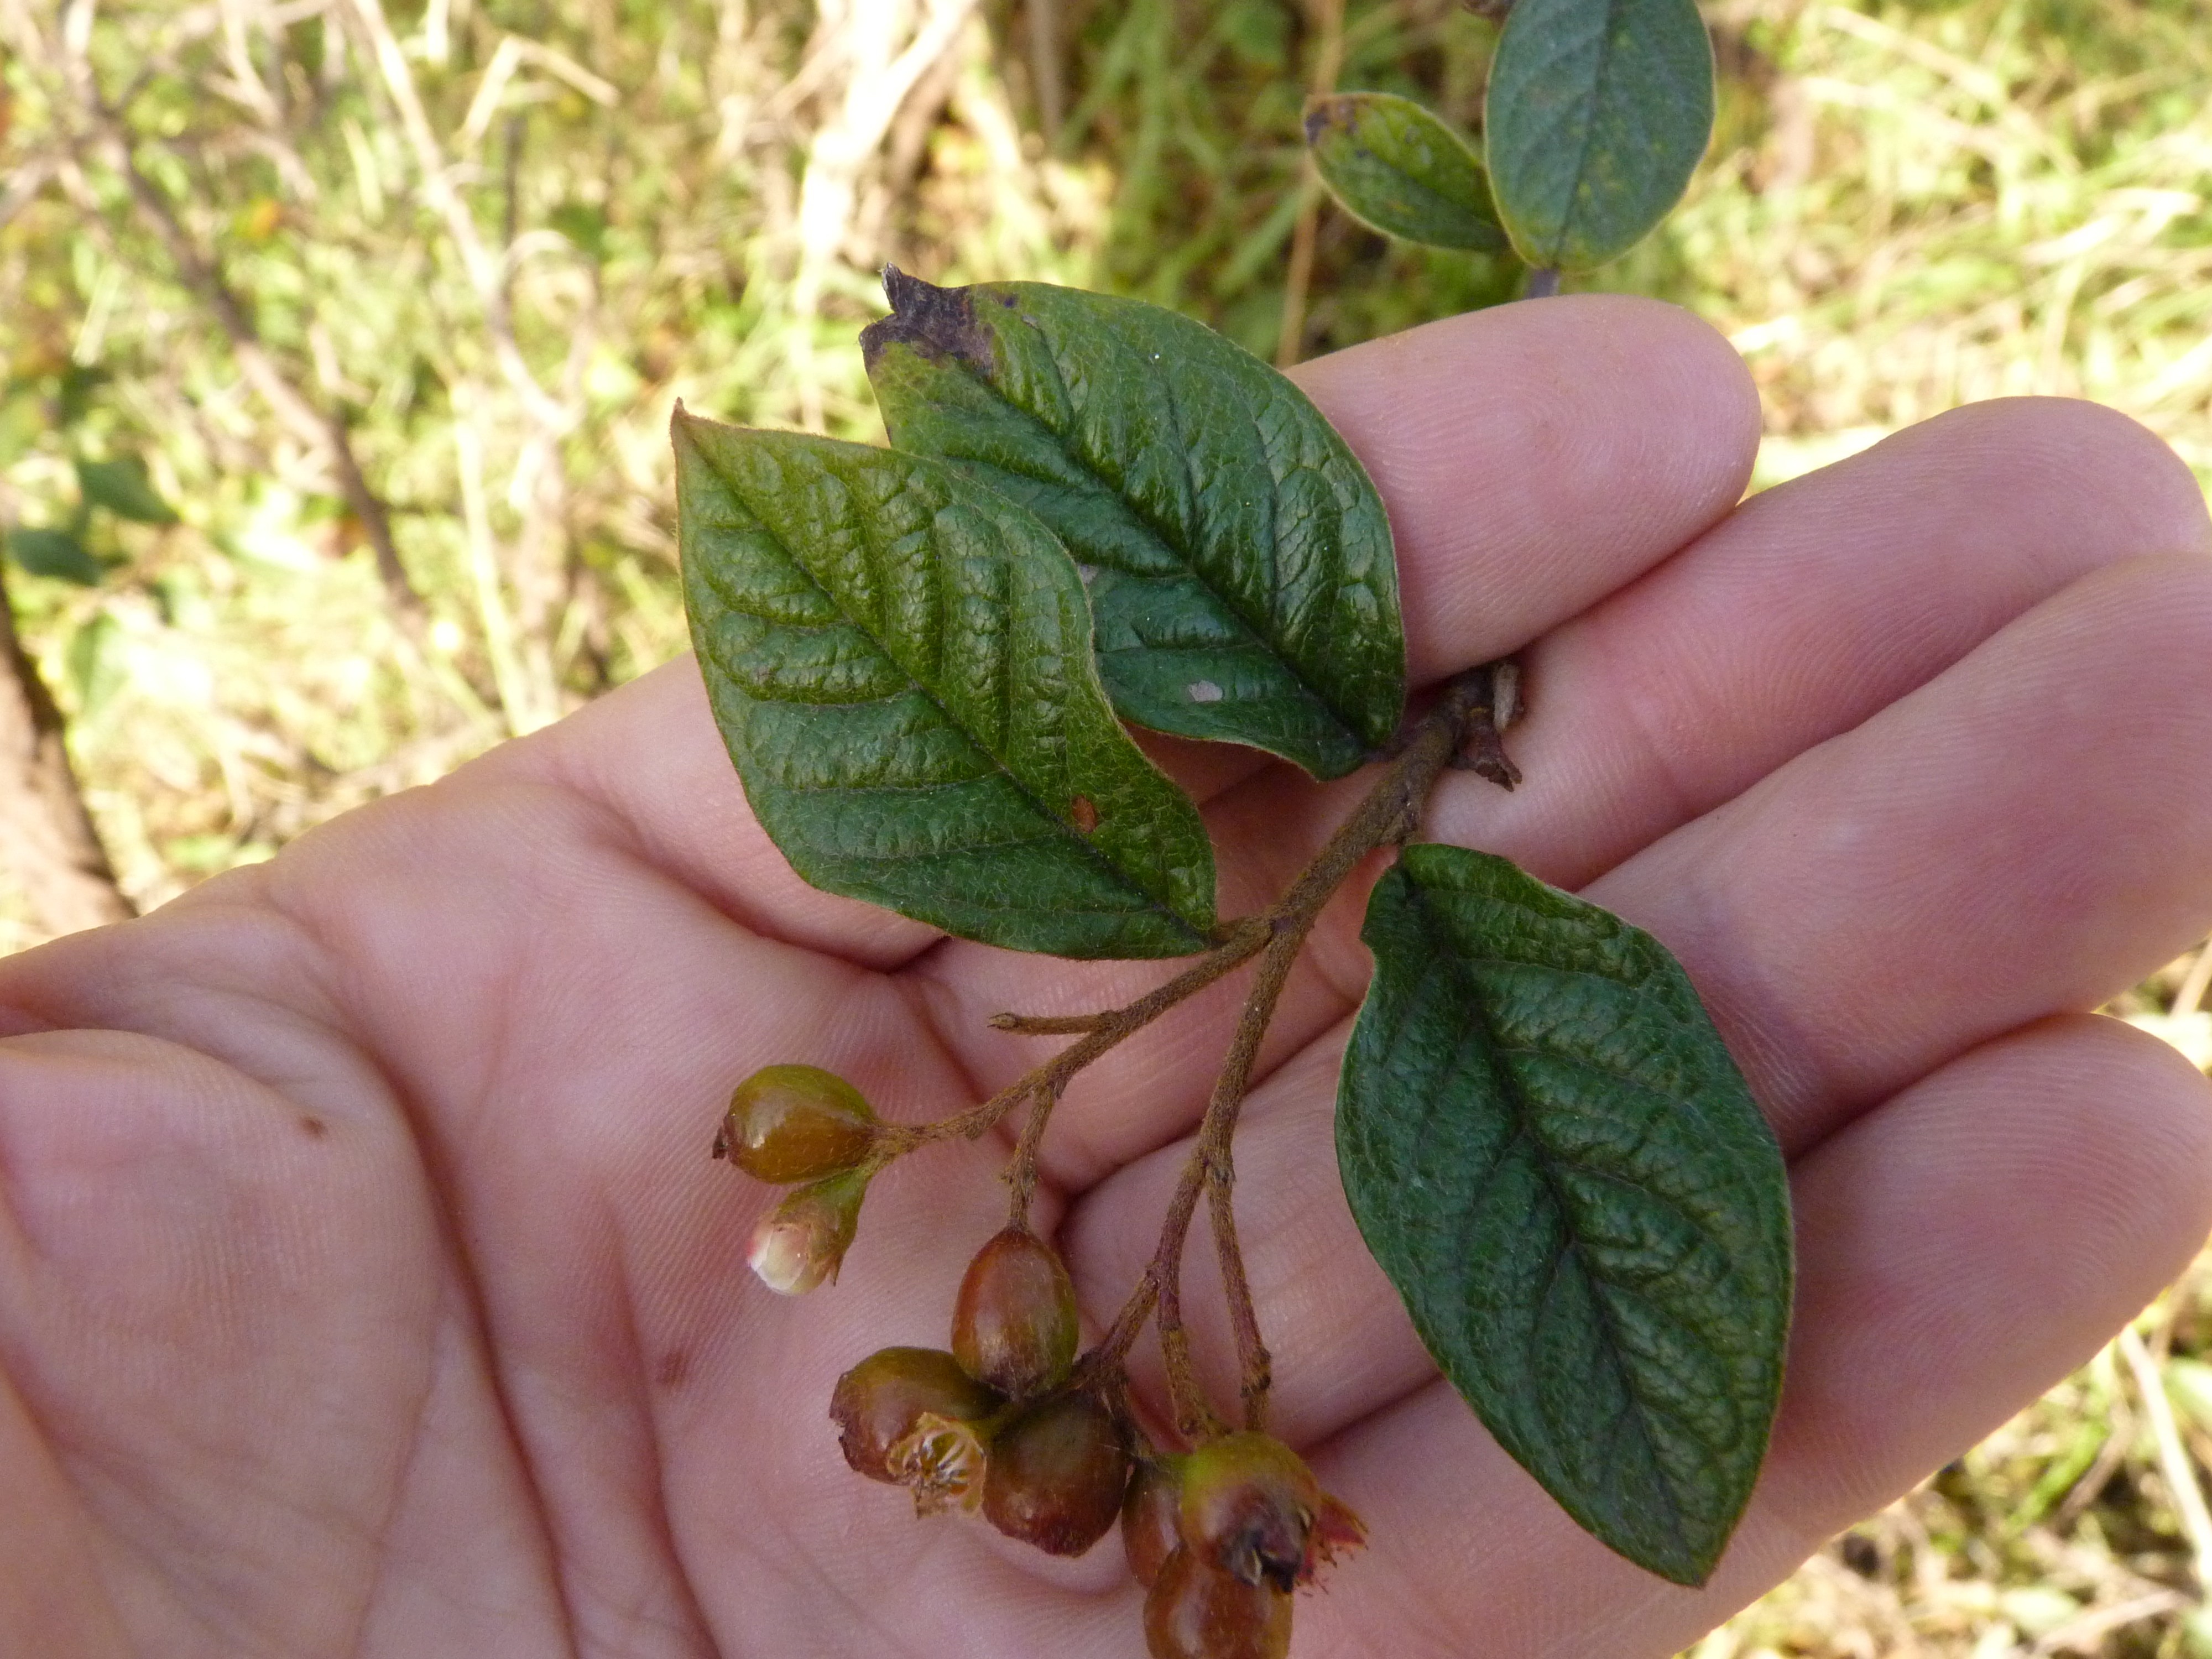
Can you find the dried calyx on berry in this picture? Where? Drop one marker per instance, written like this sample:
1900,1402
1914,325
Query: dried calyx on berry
1058,1472
1194,1611
790,1123
801,1243
1252,1509
1014,1324
913,1418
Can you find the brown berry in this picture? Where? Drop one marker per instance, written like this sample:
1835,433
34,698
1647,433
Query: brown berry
879,1404
801,1243
1193,1612
1057,1476
1014,1324
790,1123
1252,1509
1150,1514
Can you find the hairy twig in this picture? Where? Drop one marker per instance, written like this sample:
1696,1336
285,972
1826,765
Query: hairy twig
1044,1024
1462,718
1244,941
1022,1172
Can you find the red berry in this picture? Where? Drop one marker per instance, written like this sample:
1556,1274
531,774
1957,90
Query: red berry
1193,1612
1014,1324
1057,1475
801,1243
789,1124
890,1405
1149,1518
1252,1509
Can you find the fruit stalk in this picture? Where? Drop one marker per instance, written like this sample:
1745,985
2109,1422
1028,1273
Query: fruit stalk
1461,720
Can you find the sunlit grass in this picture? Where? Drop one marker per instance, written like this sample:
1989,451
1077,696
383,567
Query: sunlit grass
1957,202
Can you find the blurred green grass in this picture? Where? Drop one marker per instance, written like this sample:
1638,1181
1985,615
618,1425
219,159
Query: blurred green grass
1908,207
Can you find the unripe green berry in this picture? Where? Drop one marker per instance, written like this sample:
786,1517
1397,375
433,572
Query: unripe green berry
790,1123
1057,1475
1014,1324
801,1243
1193,1612
889,1405
1150,1518
1252,1509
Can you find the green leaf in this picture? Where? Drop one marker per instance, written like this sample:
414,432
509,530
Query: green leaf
584,225
77,385
1238,559
1552,1156
1597,113
124,489
96,666
1399,168
54,553
22,422
900,662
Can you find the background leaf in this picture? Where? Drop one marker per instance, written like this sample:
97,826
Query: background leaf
54,553
1394,166
1597,113
1238,559
900,662
1552,1156
95,661
124,489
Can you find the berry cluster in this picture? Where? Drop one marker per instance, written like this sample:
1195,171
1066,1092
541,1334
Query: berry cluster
1012,1422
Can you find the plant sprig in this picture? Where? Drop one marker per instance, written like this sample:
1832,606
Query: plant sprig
922,659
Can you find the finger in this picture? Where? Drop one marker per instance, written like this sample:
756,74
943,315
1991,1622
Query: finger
648,758
1959,1251
1845,947
1520,491
1340,1341
1794,621
1536,457
52,1599
2019,837
216,1313
1810,609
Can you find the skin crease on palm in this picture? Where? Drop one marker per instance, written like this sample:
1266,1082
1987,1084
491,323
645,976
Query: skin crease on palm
365,1286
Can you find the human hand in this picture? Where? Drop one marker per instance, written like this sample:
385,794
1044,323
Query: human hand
366,1288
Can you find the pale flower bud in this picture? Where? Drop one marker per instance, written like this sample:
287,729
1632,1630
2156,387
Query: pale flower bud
800,1243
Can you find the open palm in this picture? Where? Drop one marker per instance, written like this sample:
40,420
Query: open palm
365,1286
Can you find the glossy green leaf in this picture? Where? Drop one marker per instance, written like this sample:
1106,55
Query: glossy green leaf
900,662
124,489
54,553
1238,560
1597,113
1551,1154
1395,167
